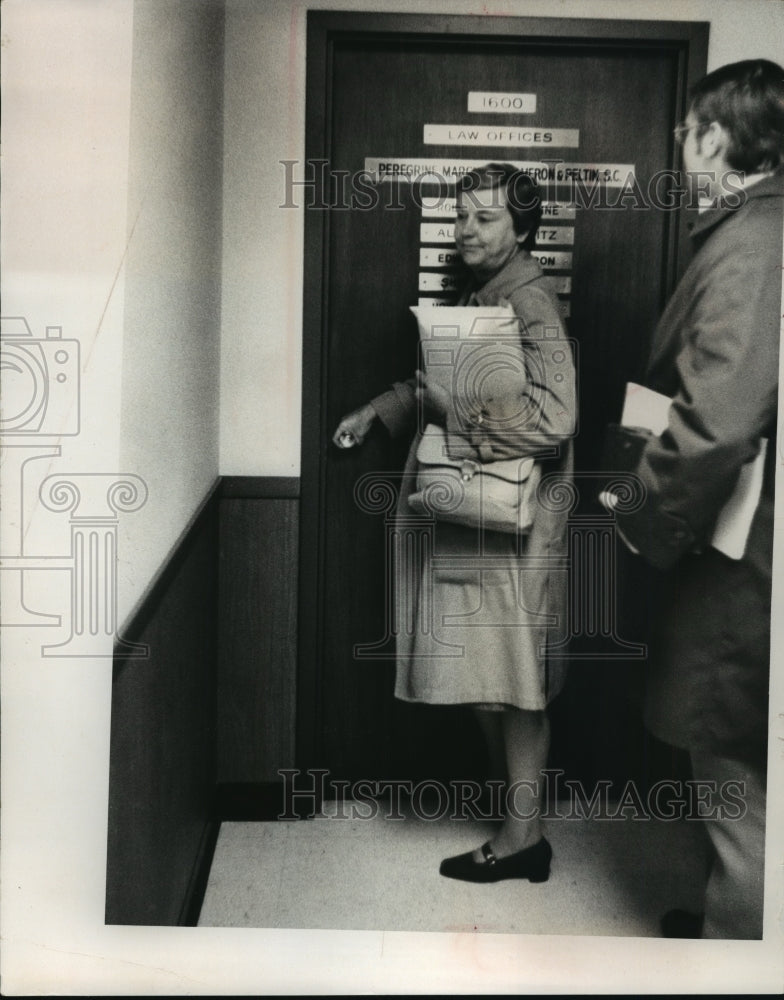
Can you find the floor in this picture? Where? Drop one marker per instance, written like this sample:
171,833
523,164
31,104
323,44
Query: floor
609,877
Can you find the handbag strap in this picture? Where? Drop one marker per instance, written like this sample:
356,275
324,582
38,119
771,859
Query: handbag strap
432,451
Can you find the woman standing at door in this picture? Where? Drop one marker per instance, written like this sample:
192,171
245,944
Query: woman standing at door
482,628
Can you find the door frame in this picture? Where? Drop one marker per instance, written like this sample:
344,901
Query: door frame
687,39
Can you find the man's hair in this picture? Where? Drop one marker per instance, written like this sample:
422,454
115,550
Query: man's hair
747,99
523,199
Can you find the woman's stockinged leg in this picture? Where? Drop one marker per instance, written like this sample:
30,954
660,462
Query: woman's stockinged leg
491,725
518,850
526,741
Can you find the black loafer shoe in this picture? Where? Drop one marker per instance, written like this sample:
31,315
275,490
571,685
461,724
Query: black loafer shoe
681,924
532,863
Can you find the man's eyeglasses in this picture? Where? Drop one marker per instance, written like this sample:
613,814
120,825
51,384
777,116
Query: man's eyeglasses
682,130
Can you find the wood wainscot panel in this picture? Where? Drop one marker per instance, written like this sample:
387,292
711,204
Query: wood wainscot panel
257,642
162,828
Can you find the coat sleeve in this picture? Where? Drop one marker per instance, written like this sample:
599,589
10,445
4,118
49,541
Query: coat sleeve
533,410
727,376
397,408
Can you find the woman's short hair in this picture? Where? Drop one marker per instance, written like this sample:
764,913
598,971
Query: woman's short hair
747,100
523,198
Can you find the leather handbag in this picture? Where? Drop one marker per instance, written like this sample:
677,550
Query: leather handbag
498,496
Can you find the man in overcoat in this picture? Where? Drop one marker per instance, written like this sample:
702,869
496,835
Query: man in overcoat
716,354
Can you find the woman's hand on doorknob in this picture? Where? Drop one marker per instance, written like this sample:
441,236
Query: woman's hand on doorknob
354,427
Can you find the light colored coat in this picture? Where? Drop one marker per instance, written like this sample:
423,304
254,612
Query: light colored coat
474,613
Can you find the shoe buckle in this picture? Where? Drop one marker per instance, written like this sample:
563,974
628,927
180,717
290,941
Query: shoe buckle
488,855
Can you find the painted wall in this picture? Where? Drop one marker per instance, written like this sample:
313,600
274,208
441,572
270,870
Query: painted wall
67,88
112,220
262,256
66,118
111,230
171,347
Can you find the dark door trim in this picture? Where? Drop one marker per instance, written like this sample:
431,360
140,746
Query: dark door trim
688,39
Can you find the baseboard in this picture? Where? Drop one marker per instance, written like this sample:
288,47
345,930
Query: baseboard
194,896
259,488
256,801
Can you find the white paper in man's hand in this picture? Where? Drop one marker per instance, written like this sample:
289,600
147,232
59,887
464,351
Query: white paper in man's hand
643,407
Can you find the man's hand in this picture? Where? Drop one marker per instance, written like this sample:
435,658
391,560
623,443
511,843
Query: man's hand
610,501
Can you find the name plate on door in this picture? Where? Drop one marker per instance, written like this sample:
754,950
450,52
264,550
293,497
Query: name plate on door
431,257
439,171
555,235
552,261
501,135
429,282
558,210
445,208
439,208
562,284
495,102
429,301
444,232
564,305
436,232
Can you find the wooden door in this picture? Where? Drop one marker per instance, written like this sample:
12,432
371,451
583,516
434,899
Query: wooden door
386,92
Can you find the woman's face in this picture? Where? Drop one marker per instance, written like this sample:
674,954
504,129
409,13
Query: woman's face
484,231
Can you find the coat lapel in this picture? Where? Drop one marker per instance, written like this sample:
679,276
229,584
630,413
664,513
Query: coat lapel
667,339
520,270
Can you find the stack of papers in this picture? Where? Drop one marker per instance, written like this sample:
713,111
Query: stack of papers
645,408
